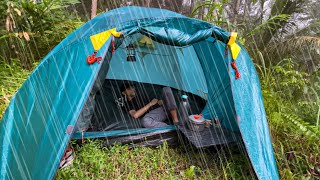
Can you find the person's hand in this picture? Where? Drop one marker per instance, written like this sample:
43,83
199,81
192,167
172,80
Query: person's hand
154,102
160,102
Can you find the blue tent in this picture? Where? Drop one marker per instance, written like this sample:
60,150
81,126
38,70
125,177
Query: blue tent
183,53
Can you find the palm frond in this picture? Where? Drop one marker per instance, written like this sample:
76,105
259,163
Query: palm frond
297,43
269,24
313,28
305,50
288,7
302,126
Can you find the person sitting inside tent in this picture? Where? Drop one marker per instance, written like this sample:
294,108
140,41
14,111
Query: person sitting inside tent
153,112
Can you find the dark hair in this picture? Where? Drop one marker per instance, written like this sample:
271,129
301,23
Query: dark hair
126,85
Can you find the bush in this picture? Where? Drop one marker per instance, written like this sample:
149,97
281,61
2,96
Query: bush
32,30
292,106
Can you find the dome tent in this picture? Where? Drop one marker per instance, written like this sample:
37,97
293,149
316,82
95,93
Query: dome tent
38,124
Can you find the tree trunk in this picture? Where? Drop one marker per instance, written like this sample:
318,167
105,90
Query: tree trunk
94,5
236,11
191,6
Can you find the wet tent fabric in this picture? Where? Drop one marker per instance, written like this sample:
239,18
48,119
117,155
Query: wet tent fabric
33,129
252,118
215,66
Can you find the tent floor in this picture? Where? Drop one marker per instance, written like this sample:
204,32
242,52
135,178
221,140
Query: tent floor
211,136
151,139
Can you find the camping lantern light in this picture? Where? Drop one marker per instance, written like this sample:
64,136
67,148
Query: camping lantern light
131,52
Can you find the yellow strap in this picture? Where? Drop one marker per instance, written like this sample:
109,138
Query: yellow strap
115,33
234,47
99,39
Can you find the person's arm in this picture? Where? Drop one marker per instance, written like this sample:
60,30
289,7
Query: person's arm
137,114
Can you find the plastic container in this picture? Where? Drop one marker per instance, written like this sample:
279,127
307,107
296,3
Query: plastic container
196,123
184,109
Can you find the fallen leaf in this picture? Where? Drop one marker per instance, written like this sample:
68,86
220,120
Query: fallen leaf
17,11
8,23
26,36
12,20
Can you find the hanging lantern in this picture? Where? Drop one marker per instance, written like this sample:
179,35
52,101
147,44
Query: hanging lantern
131,52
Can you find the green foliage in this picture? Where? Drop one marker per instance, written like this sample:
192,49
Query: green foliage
284,78
268,24
311,131
212,12
286,88
32,29
296,148
288,81
292,105
190,172
27,16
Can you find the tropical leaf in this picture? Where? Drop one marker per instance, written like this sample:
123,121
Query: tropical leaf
269,24
285,7
304,127
312,29
296,44
212,12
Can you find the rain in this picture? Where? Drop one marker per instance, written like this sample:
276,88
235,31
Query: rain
159,89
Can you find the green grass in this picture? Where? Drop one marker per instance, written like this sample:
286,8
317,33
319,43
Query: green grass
120,162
